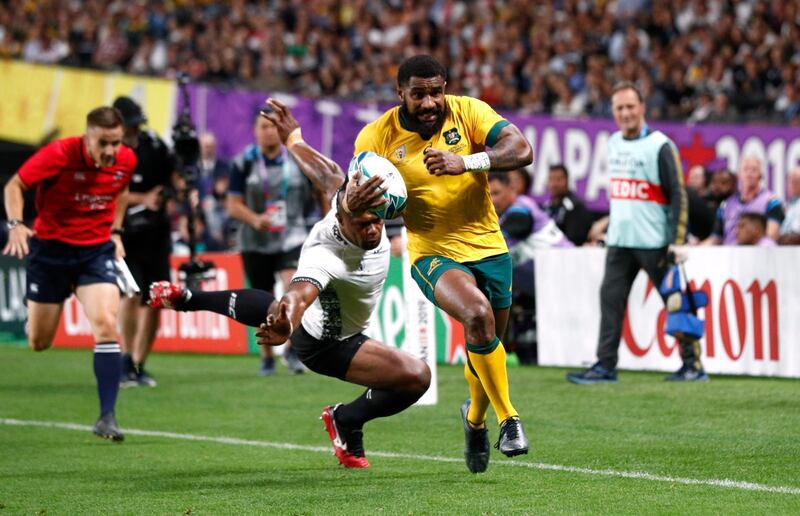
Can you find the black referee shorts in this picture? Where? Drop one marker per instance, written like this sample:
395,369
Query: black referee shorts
55,269
330,357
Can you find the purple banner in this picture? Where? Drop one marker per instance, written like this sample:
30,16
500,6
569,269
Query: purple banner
331,126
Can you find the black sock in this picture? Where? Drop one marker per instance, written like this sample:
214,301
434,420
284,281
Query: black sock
247,306
107,370
127,364
374,403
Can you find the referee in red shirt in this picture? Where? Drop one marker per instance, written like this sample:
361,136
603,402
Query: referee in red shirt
81,194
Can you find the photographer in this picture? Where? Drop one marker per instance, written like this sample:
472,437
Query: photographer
146,236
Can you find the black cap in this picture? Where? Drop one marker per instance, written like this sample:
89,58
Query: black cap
132,113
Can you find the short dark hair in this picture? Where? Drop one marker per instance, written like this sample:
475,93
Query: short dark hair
757,218
627,85
561,167
105,116
500,176
423,66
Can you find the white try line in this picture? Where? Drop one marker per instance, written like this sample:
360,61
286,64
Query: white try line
638,475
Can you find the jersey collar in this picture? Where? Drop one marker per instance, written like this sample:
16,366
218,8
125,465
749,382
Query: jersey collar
642,134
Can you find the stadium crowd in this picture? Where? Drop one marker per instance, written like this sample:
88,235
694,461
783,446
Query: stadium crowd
716,60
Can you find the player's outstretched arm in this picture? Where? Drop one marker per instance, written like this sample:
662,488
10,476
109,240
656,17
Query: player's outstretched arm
284,317
18,235
323,173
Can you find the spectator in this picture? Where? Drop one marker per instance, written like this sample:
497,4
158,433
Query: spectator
791,224
751,229
213,186
722,111
565,208
750,196
698,179
520,181
721,186
680,49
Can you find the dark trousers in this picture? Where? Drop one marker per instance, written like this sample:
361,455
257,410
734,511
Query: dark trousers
622,266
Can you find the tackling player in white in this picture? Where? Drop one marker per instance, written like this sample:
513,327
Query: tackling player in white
327,307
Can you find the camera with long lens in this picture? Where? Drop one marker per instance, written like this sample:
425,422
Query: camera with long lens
187,157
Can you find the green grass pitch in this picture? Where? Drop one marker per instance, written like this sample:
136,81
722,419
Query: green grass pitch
640,447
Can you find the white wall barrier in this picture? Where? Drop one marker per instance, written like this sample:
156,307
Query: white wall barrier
752,322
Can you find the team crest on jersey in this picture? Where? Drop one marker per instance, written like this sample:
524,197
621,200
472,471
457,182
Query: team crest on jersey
80,176
452,137
118,175
400,152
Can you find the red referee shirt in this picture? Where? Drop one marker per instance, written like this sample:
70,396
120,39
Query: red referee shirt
75,200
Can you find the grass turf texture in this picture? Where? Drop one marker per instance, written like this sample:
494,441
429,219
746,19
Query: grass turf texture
743,429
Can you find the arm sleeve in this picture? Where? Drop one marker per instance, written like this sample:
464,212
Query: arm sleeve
486,123
775,210
671,174
517,224
317,266
47,162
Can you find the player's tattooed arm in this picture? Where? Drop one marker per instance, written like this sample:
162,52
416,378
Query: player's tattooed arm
511,151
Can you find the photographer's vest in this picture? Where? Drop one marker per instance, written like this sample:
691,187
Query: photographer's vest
639,209
280,188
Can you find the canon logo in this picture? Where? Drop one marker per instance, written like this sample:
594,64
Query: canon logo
736,312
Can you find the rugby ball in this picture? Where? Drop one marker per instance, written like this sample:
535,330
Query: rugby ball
371,164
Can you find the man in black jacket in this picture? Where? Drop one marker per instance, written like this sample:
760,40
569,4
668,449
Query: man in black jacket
564,207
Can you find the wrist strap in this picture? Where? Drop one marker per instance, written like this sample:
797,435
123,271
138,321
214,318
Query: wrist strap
295,137
345,208
478,162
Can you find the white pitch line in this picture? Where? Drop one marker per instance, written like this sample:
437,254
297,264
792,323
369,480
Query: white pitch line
639,475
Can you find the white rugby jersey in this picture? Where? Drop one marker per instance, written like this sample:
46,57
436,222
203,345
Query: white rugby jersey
349,278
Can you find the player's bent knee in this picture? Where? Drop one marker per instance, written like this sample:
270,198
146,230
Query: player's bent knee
479,322
105,325
418,377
